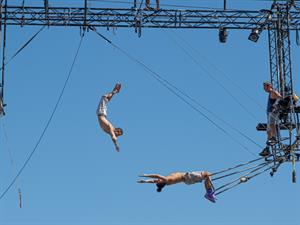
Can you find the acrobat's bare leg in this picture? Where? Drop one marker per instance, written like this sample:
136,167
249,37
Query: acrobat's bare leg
157,5
147,3
210,191
116,90
208,183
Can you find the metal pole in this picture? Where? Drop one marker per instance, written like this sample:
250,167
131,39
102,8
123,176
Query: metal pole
3,49
280,52
1,22
85,14
46,5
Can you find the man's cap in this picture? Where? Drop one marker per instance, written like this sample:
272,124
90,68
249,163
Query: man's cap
267,83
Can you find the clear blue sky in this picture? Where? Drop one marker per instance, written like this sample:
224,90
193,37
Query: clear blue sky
77,178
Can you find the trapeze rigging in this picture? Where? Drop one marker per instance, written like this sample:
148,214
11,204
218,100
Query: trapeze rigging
283,140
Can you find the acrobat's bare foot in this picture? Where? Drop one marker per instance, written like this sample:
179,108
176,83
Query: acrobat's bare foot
117,88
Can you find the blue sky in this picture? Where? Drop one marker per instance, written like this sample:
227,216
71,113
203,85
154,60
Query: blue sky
76,177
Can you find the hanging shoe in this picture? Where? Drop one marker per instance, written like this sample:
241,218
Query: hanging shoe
210,195
265,152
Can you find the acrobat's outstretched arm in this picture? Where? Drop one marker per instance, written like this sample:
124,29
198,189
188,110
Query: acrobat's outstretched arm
114,140
155,176
147,181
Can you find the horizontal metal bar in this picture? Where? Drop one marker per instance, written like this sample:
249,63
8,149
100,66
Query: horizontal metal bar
124,17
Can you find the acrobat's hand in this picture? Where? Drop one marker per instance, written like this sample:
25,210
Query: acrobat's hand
141,181
117,88
117,147
2,113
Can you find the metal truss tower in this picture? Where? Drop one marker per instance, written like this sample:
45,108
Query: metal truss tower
282,79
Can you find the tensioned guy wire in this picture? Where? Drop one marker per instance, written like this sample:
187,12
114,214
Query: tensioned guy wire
172,88
47,124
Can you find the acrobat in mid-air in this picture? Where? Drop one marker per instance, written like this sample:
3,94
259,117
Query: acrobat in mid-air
178,177
102,116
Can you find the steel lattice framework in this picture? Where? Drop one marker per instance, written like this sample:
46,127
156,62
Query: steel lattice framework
121,17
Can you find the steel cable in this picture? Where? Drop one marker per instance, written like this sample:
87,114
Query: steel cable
47,124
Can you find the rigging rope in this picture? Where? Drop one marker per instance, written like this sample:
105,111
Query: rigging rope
210,75
228,124
246,176
5,135
47,124
228,92
221,85
22,47
239,171
256,169
223,73
207,72
239,165
239,179
172,88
